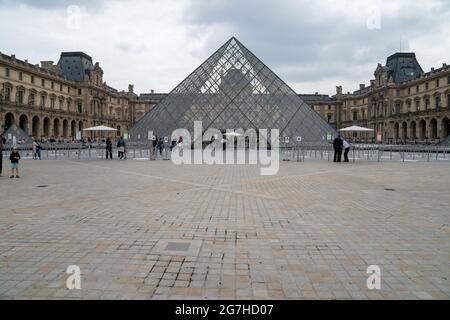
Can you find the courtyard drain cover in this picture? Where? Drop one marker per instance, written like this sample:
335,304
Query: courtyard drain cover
388,189
42,186
178,246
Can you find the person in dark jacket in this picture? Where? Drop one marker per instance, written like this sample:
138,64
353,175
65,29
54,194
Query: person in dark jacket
160,146
338,144
109,149
121,148
14,157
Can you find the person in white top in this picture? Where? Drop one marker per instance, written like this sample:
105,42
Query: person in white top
346,147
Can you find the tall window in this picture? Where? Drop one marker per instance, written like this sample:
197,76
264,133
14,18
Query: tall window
417,105
437,83
68,105
52,85
409,107
7,94
80,107
32,79
417,89
42,82
355,115
61,104
20,76
42,101
60,87
409,90
427,103
427,86
7,72
20,96
438,102
52,103
31,99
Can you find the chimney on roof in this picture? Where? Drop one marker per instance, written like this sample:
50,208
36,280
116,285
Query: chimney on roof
444,65
317,93
47,64
339,90
432,70
131,88
13,56
362,86
372,83
152,91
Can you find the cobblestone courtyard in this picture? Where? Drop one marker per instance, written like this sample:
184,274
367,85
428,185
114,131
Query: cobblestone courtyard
152,230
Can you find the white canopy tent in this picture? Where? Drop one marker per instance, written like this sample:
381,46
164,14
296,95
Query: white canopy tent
100,128
103,129
356,129
233,134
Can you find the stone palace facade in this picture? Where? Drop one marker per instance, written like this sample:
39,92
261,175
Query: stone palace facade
403,104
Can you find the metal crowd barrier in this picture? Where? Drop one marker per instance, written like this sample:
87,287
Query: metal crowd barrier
296,153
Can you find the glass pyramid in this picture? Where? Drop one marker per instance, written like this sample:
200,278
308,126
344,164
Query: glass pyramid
233,89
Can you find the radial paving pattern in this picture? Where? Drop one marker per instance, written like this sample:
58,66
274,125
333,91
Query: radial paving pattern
152,230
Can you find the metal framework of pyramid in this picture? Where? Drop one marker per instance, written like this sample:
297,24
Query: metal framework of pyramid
233,89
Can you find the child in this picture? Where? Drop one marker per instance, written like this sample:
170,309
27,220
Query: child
14,157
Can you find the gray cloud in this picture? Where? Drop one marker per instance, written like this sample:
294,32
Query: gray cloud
313,40
52,4
312,45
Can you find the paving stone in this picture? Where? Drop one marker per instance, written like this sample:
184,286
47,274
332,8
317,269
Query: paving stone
186,232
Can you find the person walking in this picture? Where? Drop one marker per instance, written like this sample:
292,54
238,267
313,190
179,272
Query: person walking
338,145
121,148
2,145
14,157
346,147
109,149
36,150
160,146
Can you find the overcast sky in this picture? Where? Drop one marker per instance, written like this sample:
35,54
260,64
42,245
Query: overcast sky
312,45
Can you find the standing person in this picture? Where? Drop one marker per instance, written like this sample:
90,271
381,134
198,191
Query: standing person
155,143
338,144
160,146
109,149
36,150
346,147
14,157
2,145
121,148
